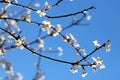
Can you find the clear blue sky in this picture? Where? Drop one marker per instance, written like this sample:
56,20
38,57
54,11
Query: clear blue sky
104,25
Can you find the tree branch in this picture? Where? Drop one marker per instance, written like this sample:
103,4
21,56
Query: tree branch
72,14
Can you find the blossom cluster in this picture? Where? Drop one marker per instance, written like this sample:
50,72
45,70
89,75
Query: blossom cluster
9,70
98,62
19,43
71,40
107,45
42,12
11,37
47,25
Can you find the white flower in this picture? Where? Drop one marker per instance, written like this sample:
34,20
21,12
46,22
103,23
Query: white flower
41,13
98,60
67,36
76,45
60,50
107,46
72,37
19,76
102,66
19,43
58,30
83,51
47,25
16,1
37,5
47,5
85,12
40,43
2,37
73,70
71,40
108,49
88,17
96,43
84,73
27,18
2,51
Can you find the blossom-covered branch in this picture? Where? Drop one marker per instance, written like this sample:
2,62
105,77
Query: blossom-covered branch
12,36
43,13
66,62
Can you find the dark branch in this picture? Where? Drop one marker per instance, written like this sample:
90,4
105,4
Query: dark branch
72,14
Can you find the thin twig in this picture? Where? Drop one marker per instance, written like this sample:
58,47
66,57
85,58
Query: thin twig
72,14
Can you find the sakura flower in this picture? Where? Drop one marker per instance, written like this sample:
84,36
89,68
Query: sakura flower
102,66
107,46
19,43
83,51
41,13
47,25
84,73
60,50
96,43
47,5
27,18
76,45
40,43
88,17
72,37
73,70
16,1
58,29
71,40
85,12
19,76
2,51
36,5
99,62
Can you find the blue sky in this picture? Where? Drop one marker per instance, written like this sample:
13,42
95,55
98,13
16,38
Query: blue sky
104,25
